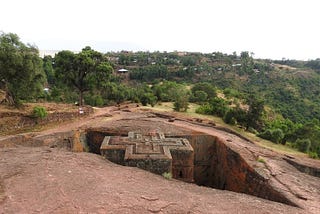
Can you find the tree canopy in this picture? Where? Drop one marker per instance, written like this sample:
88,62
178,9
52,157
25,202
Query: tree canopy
21,72
83,71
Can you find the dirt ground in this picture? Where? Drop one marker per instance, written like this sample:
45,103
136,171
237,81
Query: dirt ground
53,180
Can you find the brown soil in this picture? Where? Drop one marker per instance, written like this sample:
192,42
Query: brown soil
52,180
14,121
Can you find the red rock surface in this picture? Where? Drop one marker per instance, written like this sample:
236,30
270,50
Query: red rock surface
51,180
44,180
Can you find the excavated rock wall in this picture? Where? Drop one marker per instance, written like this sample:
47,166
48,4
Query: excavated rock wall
303,168
95,137
215,164
218,166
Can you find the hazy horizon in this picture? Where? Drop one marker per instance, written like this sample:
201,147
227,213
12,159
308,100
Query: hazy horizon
270,29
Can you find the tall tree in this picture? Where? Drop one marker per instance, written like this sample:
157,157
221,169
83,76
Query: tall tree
83,71
255,111
21,73
48,69
246,63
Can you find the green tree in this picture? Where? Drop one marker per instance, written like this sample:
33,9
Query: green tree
189,61
199,97
181,98
206,87
287,126
83,71
303,145
230,117
148,98
311,131
218,106
21,73
166,91
48,69
112,91
246,63
255,112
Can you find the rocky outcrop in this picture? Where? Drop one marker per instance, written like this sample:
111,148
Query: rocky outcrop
303,167
74,141
17,122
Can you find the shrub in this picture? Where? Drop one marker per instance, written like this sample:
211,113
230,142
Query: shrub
274,135
219,106
277,135
181,105
99,101
303,145
229,117
261,160
313,155
204,109
39,112
167,175
94,100
206,87
148,98
199,97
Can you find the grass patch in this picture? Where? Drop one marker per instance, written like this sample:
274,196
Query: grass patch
261,160
167,175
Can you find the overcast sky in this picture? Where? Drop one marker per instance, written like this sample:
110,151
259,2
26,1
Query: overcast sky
269,28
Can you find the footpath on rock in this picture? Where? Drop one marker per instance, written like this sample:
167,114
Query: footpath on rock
47,178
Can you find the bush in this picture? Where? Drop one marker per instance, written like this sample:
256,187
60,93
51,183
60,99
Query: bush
274,135
148,98
199,97
219,106
277,135
94,100
313,155
208,88
204,109
181,105
235,116
303,145
181,98
167,175
39,112
229,117
99,101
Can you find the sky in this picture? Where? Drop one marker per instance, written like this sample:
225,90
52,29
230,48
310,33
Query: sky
272,29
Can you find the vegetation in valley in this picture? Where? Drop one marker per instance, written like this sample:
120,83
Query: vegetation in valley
277,100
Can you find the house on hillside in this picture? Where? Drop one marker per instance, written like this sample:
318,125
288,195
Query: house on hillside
122,71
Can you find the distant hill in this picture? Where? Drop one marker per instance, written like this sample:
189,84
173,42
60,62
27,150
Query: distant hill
289,87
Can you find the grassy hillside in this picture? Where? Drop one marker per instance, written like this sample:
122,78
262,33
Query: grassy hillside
290,88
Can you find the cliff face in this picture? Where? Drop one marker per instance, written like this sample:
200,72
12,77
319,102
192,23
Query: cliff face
218,166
